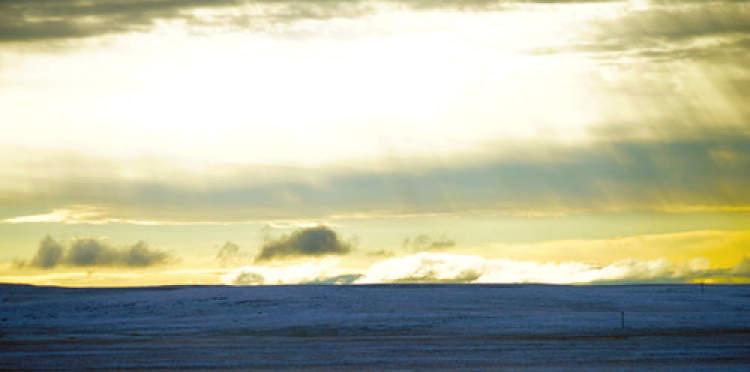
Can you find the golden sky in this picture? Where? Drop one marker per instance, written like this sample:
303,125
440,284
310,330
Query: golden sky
288,141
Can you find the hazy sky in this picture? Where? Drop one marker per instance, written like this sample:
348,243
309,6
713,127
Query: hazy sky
284,141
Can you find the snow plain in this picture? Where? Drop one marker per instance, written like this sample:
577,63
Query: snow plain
377,327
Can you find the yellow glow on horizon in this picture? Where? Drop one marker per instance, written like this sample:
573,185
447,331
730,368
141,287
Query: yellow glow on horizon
579,261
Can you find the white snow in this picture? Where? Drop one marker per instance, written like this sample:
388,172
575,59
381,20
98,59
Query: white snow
377,327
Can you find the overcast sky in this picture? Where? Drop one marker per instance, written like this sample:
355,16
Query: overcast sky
143,137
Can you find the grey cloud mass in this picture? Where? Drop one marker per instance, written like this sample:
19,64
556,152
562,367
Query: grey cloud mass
29,20
50,19
93,253
707,169
675,30
49,254
313,241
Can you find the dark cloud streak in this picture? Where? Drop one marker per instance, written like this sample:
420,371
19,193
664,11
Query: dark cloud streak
50,19
706,169
22,20
29,20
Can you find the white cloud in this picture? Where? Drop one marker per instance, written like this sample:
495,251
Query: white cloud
310,271
432,267
71,216
441,267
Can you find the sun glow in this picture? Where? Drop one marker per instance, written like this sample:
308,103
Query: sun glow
473,141
269,98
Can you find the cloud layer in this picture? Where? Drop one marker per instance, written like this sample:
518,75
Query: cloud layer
23,20
432,267
313,241
95,253
667,136
442,267
704,170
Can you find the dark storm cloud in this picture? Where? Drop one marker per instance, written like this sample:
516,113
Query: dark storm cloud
313,241
93,253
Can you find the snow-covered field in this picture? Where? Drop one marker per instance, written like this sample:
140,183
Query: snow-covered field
384,327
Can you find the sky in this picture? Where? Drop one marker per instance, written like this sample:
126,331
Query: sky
151,142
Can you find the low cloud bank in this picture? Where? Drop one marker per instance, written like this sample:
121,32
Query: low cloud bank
430,267
317,271
442,267
313,241
93,252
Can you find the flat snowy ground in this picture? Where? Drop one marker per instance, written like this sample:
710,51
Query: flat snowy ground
407,327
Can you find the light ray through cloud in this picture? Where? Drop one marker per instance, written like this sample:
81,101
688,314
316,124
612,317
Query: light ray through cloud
470,141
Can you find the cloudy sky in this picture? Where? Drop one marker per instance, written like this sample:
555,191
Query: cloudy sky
340,141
